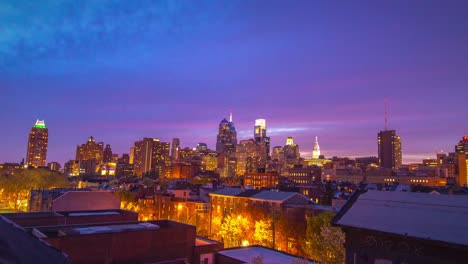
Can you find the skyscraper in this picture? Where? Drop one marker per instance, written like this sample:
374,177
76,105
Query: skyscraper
260,135
151,156
226,143
37,145
389,148
316,150
175,149
143,156
461,150
107,156
90,150
227,136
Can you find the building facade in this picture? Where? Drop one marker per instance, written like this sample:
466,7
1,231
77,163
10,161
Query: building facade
90,150
37,145
389,148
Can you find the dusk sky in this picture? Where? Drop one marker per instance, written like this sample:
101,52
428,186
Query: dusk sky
123,70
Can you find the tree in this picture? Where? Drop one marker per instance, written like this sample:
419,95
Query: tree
324,242
15,186
263,234
233,229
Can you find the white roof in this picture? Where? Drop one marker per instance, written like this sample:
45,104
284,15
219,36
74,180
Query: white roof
270,256
420,215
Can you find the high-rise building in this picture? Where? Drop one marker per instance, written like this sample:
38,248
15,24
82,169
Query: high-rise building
316,150
161,158
227,136
151,156
389,148
249,157
226,146
291,152
175,149
107,156
37,145
260,135
131,155
143,156
461,150
90,150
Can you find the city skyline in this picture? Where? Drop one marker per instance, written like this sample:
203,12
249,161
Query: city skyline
310,69
304,153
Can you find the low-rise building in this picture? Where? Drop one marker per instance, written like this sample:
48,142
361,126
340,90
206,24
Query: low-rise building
404,227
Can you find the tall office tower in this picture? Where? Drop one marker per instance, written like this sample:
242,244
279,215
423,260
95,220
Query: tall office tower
227,136
277,154
226,146
249,157
131,156
260,135
389,147
316,150
461,150
90,150
175,149
37,145
291,150
161,158
143,156
107,156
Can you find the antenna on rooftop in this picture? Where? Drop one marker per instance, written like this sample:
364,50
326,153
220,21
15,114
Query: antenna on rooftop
386,113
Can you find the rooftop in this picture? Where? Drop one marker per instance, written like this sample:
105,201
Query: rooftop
15,242
269,255
276,196
419,215
40,124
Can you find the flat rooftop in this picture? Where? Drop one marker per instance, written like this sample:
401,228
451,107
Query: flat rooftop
270,256
100,228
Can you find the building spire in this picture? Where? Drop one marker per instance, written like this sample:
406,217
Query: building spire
230,117
316,150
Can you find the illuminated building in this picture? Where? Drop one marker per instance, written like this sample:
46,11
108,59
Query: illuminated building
201,147
462,152
316,150
151,156
107,155
304,175
54,166
175,149
210,161
143,156
226,143
278,154
389,148
261,180
249,156
131,155
72,168
37,145
260,135
90,150
291,152
227,136
108,169
161,158
186,154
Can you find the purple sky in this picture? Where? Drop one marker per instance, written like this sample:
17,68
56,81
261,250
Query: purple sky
124,71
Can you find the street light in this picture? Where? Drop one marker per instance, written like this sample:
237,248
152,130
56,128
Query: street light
179,207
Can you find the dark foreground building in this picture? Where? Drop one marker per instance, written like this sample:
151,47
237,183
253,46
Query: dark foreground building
400,227
106,236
